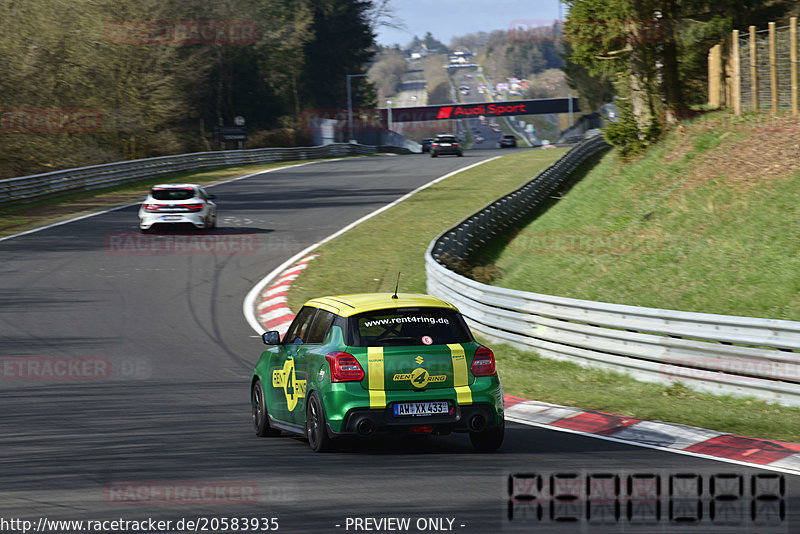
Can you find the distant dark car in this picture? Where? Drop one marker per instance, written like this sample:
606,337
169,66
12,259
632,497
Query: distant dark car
426,144
446,144
508,141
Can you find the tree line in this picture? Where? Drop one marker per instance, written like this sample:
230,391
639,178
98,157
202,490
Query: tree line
519,52
161,74
654,53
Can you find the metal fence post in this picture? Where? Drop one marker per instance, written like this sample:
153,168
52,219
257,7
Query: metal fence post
737,75
754,67
773,70
793,62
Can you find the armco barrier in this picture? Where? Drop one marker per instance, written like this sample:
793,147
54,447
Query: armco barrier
720,354
28,188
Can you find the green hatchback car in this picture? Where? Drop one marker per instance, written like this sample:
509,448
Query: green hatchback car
377,363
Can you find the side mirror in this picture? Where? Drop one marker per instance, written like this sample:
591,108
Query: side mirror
212,197
273,337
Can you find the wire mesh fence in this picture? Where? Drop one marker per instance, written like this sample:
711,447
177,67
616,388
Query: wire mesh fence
767,80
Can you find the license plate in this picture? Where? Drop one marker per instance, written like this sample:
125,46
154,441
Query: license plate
171,218
444,144
421,408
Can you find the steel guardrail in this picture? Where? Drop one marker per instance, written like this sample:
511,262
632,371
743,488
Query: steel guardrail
722,354
36,186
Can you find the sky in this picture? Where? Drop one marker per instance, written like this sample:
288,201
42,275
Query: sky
446,19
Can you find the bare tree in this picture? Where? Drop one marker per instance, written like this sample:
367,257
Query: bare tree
381,14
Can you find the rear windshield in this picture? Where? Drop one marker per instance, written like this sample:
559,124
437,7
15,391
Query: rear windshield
408,327
445,139
173,194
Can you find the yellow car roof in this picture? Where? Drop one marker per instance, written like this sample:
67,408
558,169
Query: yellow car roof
347,305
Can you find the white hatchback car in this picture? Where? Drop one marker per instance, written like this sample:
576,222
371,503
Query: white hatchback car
178,204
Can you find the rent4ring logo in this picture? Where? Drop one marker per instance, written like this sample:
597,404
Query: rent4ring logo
752,502
419,377
293,388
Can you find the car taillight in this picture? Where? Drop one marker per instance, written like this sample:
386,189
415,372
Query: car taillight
483,363
151,207
344,367
193,207
434,144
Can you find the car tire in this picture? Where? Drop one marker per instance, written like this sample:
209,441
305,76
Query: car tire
316,426
460,154
490,439
433,154
260,414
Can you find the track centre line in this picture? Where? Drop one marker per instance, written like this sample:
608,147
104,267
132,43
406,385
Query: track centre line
74,219
249,304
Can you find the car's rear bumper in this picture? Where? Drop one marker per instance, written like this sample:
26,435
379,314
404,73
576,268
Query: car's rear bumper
365,422
147,220
346,403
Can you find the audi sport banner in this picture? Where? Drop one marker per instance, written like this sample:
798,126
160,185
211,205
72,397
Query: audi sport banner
485,109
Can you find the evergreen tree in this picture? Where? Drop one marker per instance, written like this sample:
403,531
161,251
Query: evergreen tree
341,44
654,50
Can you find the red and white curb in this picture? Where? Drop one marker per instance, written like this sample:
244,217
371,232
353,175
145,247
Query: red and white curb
768,454
273,314
268,300
253,297
272,311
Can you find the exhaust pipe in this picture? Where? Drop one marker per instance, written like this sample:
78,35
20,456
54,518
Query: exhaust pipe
477,423
365,427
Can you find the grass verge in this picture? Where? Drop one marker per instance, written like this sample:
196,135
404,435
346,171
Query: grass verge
696,224
368,257
19,217
527,375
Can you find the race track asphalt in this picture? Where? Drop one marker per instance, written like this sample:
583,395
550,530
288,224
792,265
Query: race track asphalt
154,422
